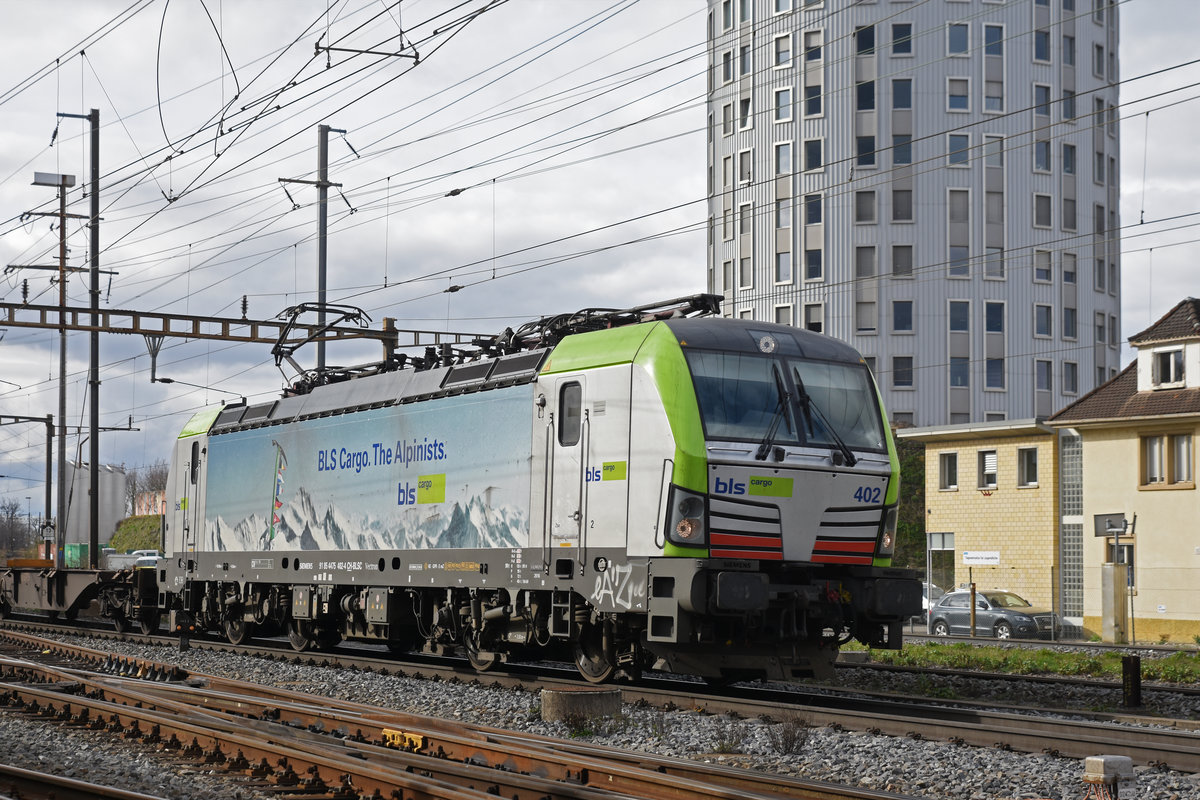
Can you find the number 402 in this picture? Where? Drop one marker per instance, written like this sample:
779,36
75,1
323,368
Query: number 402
868,494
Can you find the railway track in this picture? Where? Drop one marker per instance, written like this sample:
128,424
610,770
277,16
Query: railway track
28,784
295,743
974,723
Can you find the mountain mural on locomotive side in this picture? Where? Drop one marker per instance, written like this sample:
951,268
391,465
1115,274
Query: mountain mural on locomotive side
446,473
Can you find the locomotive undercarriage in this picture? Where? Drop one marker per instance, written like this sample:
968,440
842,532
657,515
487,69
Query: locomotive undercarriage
720,620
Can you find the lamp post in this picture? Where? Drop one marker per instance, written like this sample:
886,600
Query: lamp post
62,182
28,520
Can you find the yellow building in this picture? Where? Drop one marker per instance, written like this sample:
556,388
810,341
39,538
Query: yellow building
1140,505
992,508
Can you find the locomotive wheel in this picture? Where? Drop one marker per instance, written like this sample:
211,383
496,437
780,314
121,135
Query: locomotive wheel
238,631
120,623
300,635
71,614
327,638
594,662
148,621
481,662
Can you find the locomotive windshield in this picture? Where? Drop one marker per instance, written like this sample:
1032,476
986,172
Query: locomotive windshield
741,395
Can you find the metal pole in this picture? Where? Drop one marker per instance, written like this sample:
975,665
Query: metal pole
49,470
94,420
322,218
60,532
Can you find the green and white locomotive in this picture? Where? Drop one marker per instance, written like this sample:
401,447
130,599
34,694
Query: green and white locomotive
657,487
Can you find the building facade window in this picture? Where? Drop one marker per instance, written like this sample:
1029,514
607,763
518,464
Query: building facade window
1167,460
783,50
960,371
1167,369
783,104
902,95
902,43
902,316
902,205
901,149
812,209
814,315
1070,377
948,472
1043,376
957,39
864,206
864,151
958,94
813,270
993,373
813,154
783,267
812,101
1027,466
902,372
987,463
959,150
902,260
959,316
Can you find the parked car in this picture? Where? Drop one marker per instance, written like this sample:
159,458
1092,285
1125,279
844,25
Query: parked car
997,613
930,594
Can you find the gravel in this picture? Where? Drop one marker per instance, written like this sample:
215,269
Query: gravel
906,766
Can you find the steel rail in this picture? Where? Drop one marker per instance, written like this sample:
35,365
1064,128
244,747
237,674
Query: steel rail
518,767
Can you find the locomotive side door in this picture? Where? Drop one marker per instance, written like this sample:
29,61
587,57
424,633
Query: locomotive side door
568,433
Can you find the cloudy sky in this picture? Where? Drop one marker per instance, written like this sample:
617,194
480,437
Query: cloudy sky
542,156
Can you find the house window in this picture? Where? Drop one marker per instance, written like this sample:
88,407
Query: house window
1041,266
1167,460
1070,377
864,206
1041,45
1041,156
1070,323
994,373
745,219
812,154
902,39
745,60
864,40
745,164
783,315
902,206
1068,105
746,273
958,94
864,96
1167,368
902,93
987,469
1068,50
812,265
812,209
812,46
1043,377
948,472
783,267
993,40
813,317
960,316
902,316
902,372
783,213
1041,321
960,260
1027,466
957,39
959,149
902,260
812,101
960,371
783,105
783,50
901,149
1041,100
993,317
745,117
783,158
1041,211
864,150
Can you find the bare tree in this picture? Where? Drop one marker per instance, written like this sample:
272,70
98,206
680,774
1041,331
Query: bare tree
14,529
148,479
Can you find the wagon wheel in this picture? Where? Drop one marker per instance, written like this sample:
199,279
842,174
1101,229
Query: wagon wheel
327,638
300,635
595,662
481,660
238,631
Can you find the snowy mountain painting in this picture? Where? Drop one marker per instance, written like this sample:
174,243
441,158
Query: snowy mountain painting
449,473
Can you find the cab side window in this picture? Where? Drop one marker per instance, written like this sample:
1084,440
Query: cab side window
570,414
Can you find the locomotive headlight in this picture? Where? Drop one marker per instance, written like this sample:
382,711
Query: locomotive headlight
887,534
686,518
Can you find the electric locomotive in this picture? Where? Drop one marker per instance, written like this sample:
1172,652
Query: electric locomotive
653,487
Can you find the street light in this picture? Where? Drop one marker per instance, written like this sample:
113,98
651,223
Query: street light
63,182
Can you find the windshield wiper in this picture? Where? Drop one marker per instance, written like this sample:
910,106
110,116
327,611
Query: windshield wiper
810,407
785,398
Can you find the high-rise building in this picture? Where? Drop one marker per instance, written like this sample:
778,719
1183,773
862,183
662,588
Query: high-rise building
934,182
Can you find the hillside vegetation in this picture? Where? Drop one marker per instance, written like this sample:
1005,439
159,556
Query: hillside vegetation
137,533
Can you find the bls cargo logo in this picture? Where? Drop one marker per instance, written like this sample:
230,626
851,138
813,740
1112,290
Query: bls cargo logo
758,486
612,471
427,489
